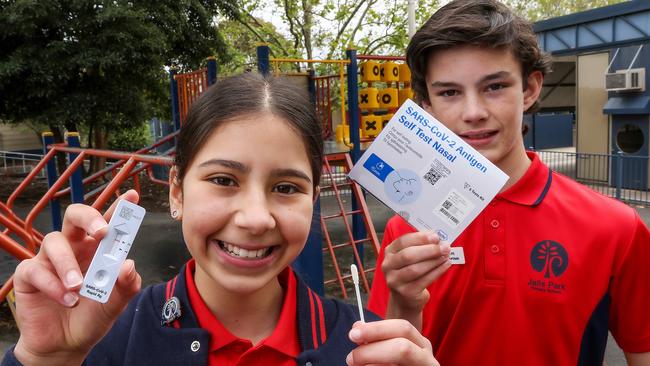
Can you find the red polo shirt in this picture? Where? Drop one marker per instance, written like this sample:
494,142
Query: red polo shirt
550,267
280,348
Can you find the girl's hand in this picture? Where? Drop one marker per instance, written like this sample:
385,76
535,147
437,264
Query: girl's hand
389,342
57,327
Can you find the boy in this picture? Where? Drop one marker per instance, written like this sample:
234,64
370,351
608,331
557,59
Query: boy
550,265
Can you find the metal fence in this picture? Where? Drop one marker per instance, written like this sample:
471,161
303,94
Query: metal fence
17,163
622,176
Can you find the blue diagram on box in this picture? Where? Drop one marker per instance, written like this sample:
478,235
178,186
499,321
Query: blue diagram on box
402,186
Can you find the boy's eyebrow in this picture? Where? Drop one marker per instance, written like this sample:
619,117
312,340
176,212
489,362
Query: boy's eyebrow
486,78
227,164
291,173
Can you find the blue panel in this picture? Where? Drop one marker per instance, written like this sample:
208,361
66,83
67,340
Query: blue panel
553,130
634,171
603,29
631,104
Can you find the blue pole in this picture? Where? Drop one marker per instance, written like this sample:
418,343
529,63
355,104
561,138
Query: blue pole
55,207
76,179
358,226
312,87
212,70
263,58
619,173
174,99
309,263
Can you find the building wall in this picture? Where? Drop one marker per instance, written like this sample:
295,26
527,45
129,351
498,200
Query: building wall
18,138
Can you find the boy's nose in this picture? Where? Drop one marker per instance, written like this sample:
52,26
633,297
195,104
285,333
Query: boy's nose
475,109
254,214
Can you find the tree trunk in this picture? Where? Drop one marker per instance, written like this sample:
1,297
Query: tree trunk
100,139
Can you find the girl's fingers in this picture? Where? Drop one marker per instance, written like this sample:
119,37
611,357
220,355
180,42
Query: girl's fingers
127,285
385,330
56,248
131,195
33,276
80,221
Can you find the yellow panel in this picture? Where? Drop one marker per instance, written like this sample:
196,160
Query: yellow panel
385,118
404,73
388,98
371,125
389,72
404,94
368,98
592,124
370,71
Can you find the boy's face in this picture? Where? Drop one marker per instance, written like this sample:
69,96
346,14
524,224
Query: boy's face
479,94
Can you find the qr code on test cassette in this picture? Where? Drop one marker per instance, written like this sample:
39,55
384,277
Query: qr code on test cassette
126,213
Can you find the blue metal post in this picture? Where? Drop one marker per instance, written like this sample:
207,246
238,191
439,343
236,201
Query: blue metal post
55,207
76,179
309,263
358,226
619,173
212,70
176,116
312,87
263,58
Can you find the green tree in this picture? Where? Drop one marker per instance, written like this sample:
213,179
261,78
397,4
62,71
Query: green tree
99,64
545,9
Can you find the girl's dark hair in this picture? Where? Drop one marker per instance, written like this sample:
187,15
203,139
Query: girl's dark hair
484,23
244,94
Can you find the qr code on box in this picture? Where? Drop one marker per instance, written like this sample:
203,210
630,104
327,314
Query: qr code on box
437,170
126,213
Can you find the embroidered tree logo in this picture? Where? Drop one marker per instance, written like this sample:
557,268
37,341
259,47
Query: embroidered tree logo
549,257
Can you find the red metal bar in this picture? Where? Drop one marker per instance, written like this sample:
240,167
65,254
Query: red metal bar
12,247
37,169
6,288
31,243
114,184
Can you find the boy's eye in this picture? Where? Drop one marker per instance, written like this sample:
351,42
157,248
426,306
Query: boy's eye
223,181
448,93
285,188
495,86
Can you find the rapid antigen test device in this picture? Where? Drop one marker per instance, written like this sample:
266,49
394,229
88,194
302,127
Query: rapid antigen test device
112,251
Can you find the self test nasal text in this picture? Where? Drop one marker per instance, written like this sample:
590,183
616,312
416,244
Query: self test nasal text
112,251
428,175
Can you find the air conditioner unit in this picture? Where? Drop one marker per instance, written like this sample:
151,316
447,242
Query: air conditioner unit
632,80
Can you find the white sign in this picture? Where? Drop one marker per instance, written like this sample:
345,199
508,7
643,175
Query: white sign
427,174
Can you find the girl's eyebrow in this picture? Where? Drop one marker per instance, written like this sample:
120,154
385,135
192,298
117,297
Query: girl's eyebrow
231,164
291,173
235,165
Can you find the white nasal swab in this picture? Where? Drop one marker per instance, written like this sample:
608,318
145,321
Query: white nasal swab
355,279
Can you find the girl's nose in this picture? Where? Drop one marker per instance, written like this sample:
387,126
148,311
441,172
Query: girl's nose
254,214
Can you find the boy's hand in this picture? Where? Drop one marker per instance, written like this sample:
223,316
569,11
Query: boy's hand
389,342
57,327
411,263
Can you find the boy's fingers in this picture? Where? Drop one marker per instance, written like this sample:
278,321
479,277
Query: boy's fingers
414,255
131,195
415,271
411,239
80,221
32,276
59,253
397,351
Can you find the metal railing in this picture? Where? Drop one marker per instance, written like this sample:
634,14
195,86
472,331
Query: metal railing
622,176
18,162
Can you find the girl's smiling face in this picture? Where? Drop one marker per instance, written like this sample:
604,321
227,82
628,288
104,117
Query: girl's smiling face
246,202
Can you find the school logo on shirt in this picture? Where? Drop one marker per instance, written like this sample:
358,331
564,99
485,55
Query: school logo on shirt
550,260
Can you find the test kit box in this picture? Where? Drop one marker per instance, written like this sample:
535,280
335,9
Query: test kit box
427,174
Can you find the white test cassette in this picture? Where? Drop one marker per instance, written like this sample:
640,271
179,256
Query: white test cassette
112,251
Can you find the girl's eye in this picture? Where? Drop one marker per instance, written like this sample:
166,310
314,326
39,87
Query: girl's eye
224,181
285,189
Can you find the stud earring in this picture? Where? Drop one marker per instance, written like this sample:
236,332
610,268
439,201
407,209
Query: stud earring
174,214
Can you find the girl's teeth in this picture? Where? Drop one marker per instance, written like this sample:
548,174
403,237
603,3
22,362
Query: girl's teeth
245,253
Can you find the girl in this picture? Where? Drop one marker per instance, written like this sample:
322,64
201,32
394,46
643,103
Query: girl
243,185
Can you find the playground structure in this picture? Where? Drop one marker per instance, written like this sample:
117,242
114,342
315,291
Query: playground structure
581,43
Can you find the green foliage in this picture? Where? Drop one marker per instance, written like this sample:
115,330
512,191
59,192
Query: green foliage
100,64
545,9
130,139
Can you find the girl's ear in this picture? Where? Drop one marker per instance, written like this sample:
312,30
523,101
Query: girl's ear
316,194
175,194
